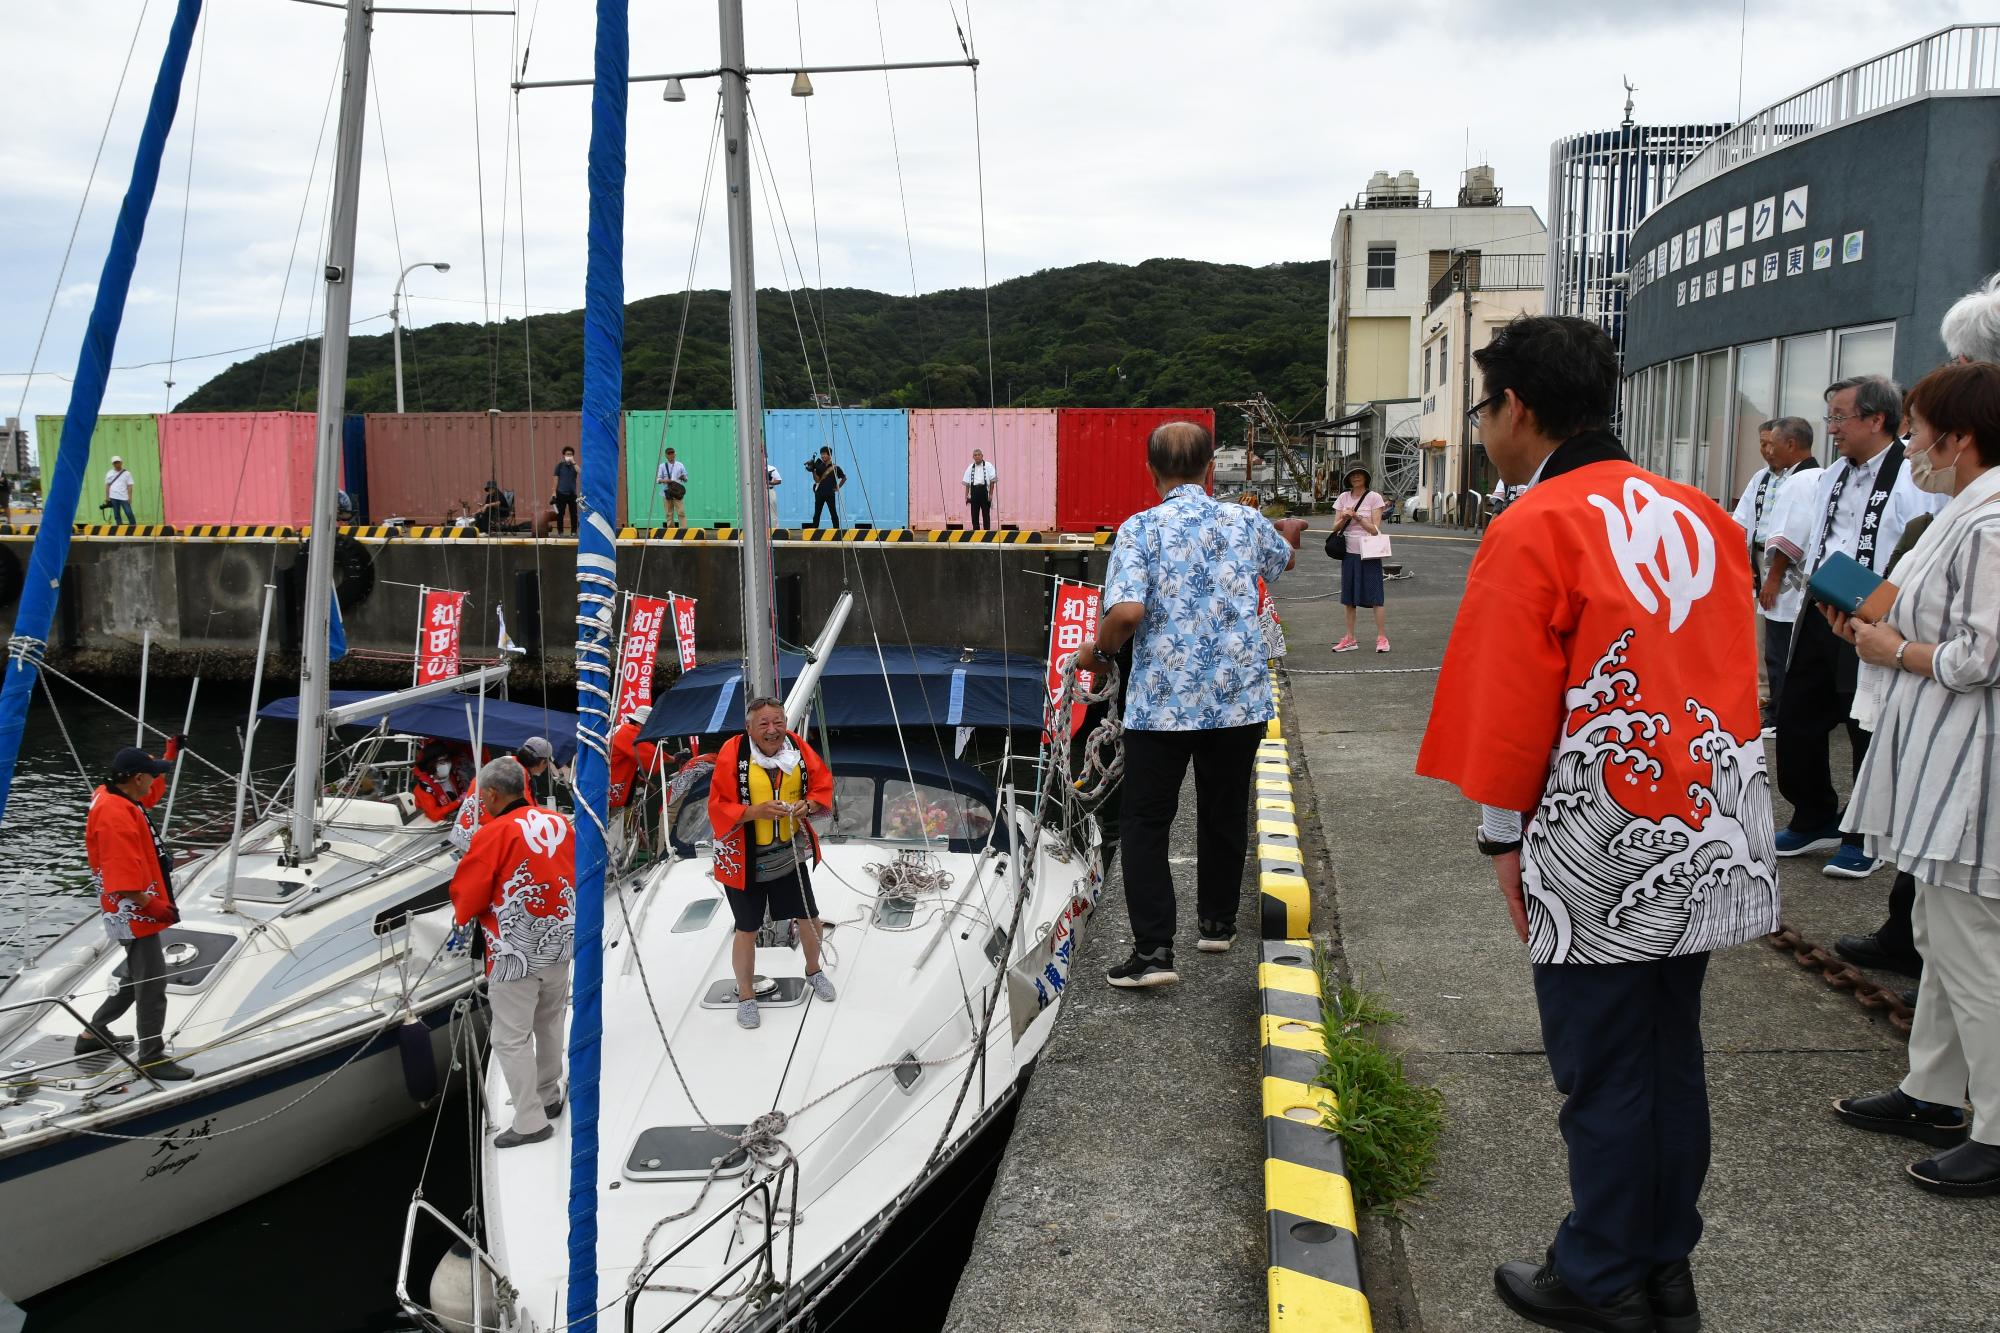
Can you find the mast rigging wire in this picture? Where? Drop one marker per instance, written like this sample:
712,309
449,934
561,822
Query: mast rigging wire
187,199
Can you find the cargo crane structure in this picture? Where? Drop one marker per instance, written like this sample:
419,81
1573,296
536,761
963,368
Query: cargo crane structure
1263,422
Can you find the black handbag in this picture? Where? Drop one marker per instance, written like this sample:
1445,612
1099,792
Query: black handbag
1336,544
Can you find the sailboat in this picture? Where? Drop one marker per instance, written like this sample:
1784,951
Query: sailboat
309,990
717,1178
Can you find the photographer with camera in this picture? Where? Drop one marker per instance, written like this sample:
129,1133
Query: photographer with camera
118,494
827,481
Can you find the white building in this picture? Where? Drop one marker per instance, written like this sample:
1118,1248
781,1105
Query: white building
1390,247
1476,295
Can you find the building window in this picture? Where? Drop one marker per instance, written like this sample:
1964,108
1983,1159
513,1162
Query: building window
1444,358
1381,267
1427,370
1865,351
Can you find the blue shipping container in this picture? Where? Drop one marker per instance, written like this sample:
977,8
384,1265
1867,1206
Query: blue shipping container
354,462
871,444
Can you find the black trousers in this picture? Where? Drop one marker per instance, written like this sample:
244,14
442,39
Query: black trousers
1156,762
1817,697
830,502
980,501
145,981
1897,934
565,505
1777,646
1624,1044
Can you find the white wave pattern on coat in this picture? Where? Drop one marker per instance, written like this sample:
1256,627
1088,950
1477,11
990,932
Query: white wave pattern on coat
1605,885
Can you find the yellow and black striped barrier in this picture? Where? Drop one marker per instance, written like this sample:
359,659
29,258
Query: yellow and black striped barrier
1314,1275
840,534
1285,896
677,534
983,537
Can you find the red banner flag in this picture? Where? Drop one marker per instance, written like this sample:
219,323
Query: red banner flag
438,635
644,617
684,629
1075,625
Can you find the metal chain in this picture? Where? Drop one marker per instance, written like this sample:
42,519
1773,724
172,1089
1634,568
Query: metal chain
1362,671
1842,975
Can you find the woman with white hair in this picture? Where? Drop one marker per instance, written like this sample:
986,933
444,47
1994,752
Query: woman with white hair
1926,794
1971,329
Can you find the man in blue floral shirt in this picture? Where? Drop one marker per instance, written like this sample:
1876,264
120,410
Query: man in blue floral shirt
1183,580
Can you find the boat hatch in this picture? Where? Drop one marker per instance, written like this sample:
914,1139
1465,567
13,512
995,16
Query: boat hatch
909,1071
696,915
192,956
895,912
787,990
272,883
59,1053
686,1152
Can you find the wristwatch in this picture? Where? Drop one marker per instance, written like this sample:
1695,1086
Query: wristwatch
1901,648
1487,848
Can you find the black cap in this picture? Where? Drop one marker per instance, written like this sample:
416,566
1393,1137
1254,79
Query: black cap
131,761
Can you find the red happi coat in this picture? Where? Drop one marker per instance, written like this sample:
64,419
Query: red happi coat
518,881
126,866
726,804
1602,680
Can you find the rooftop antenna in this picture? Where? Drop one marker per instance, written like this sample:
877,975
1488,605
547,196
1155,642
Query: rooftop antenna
1630,88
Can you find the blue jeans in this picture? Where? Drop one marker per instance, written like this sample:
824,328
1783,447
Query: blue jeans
121,512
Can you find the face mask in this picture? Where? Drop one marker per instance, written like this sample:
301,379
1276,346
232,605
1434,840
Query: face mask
442,768
1926,476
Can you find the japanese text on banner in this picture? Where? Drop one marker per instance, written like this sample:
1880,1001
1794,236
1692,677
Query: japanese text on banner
684,630
644,618
1075,624
438,636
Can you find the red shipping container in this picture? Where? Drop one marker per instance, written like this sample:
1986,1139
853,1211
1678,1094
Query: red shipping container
1020,443
237,467
1101,477
432,467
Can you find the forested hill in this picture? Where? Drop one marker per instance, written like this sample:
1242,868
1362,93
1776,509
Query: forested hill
1168,332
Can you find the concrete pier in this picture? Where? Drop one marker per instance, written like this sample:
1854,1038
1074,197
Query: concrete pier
1131,1195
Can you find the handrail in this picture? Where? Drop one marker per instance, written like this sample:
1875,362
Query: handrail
103,1039
503,1289
1964,57
762,1189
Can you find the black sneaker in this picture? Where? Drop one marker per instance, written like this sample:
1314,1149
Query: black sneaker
1216,936
1142,969
90,1045
1540,1296
1896,1112
508,1138
1670,1288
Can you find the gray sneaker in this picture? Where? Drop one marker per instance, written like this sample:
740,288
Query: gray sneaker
746,1014
822,986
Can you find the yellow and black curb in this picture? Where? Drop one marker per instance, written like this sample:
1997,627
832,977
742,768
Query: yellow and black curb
1315,1252
983,537
1285,898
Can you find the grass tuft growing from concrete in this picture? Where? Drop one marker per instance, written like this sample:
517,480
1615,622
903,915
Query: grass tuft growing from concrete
1388,1124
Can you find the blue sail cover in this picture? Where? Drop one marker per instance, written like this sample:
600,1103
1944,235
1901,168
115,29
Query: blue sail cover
925,686
505,725
64,476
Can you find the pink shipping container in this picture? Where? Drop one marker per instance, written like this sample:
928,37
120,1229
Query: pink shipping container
1020,443
431,467
1101,475
237,467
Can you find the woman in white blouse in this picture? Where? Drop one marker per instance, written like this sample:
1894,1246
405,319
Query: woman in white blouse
1928,794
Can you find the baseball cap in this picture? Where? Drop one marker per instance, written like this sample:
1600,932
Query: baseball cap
535,750
132,760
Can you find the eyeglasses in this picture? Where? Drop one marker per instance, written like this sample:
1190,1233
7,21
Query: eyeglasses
1839,418
1472,413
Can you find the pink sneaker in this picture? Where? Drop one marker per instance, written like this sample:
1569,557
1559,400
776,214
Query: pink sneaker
1346,645
1382,643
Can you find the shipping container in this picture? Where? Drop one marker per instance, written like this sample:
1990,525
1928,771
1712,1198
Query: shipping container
1101,477
872,445
1020,443
237,467
354,463
432,467
134,438
704,442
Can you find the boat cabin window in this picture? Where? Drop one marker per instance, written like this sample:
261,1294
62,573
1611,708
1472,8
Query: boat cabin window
853,809
918,811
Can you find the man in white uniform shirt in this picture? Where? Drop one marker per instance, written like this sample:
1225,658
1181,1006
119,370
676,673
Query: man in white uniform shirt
1786,445
1859,507
979,487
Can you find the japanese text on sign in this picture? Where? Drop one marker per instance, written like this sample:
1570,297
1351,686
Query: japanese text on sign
438,636
643,621
1074,625
684,630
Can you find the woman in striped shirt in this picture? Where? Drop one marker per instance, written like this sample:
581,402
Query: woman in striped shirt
1927,795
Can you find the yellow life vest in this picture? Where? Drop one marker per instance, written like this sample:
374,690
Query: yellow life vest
791,790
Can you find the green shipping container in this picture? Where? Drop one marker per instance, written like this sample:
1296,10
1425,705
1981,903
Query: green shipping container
705,443
134,438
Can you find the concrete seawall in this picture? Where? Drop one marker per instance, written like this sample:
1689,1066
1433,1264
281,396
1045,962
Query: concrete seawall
202,597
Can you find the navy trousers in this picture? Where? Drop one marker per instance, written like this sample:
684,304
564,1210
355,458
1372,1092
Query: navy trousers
1624,1043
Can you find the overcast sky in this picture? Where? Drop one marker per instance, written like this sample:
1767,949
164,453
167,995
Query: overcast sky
1113,130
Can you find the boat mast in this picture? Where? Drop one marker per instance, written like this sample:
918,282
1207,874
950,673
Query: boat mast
313,665
760,652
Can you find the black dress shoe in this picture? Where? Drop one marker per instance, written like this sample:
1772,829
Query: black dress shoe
1670,1291
1867,951
1896,1112
553,1109
508,1138
1966,1172
90,1045
1539,1296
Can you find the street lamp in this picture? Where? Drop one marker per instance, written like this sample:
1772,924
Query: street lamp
396,319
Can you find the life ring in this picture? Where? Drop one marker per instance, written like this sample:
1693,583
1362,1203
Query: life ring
11,577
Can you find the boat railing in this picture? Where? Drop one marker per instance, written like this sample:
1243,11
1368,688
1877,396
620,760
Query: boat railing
104,1041
770,1192
504,1293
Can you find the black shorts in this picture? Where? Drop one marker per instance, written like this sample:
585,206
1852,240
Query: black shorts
788,899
